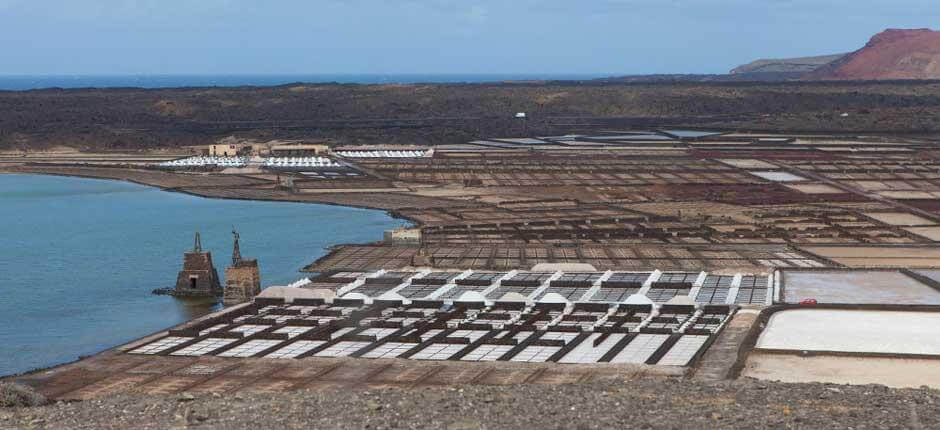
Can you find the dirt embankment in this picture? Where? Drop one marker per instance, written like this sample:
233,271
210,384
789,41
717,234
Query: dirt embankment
666,403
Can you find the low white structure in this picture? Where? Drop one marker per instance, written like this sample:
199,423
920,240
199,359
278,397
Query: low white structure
300,162
385,154
206,161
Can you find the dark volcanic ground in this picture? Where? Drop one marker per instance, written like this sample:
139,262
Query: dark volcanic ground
667,403
131,119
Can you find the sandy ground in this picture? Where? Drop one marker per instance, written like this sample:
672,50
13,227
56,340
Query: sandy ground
878,256
55,150
815,188
893,372
648,403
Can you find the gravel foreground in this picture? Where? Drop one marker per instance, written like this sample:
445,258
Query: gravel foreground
654,403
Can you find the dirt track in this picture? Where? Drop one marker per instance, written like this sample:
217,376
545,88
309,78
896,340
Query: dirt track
642,403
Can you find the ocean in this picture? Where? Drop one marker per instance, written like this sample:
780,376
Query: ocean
80,257
30,82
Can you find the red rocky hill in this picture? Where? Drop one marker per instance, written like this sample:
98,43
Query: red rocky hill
891,54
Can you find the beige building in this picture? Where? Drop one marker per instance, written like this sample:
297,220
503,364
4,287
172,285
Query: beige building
229,149
299,149
403,235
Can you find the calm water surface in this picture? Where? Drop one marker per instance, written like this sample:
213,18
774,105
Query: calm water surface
79,258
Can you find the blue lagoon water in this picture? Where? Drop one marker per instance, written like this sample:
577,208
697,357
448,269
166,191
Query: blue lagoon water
80,257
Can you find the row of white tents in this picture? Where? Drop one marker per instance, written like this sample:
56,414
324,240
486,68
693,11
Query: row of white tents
383,154
207,161
300,162
203,161
243,161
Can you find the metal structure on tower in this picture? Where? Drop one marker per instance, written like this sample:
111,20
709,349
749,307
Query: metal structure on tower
236,252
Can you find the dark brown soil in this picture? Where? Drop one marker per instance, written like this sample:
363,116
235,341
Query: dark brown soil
131,119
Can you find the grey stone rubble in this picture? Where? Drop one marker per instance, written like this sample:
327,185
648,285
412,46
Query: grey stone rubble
648,403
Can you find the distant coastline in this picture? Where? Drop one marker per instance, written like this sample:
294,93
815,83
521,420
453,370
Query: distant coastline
33,82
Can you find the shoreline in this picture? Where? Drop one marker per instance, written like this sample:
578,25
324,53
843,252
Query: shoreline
394,214
391,212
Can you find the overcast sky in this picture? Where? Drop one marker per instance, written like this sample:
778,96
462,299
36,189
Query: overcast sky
434,36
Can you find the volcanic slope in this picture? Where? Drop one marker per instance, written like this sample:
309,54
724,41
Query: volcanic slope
892,54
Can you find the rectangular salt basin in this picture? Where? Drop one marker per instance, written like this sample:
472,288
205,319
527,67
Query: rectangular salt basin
778,176
932,274
747,163
891,332
857,287
586,352
879,256
932,233
640,349
898,218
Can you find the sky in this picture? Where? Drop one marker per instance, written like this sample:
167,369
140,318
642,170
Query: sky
606,37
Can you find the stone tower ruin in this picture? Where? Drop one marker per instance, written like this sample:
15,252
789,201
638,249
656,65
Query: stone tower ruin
198,277
242,278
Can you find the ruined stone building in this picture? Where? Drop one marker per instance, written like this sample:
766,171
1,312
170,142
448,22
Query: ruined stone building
242,278
198,277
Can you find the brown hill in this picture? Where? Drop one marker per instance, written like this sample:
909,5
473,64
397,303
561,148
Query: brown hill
892,54
787,65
